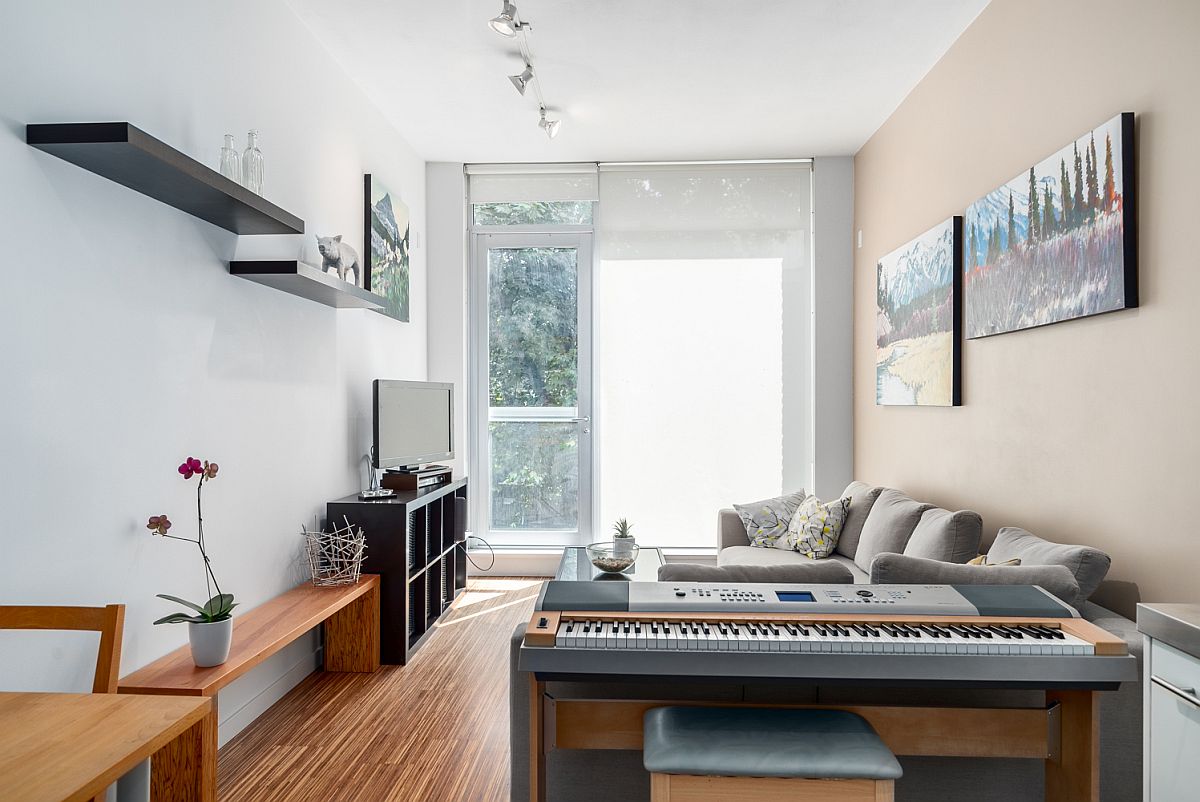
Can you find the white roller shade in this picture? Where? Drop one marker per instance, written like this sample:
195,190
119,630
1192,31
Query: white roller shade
718,211
532,182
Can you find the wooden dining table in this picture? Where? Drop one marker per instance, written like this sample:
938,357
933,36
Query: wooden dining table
69,746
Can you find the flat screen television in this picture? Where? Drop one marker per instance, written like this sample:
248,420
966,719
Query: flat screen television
412,423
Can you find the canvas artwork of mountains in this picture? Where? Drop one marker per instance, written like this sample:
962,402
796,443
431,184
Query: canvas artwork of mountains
1056,242
387,239
916,320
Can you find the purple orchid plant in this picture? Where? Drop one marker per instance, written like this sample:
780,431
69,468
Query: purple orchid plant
219,606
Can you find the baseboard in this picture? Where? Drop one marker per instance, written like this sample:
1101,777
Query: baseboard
264,685
514,562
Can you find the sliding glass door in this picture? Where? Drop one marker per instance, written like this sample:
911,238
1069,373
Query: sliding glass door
531,369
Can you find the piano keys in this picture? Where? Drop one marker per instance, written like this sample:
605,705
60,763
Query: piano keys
847,637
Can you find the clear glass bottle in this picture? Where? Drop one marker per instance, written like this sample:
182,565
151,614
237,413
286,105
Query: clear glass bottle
252,164
231,162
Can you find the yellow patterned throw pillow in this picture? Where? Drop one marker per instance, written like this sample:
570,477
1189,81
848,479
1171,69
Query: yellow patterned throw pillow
814,529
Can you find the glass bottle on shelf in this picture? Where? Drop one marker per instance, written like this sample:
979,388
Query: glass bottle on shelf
252,164
231,162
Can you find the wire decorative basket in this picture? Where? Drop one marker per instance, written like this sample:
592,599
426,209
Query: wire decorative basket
335,558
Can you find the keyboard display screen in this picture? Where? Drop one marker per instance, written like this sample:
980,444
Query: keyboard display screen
795,596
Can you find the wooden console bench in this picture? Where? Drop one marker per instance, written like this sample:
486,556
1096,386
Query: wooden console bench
350,614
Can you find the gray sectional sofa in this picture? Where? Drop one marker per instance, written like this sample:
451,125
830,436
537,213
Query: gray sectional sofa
887,538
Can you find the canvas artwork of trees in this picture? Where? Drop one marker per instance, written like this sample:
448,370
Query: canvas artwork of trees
916,333
1056,242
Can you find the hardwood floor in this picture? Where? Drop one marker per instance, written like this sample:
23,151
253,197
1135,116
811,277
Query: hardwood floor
436,729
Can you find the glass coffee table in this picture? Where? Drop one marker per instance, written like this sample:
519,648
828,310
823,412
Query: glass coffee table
575,565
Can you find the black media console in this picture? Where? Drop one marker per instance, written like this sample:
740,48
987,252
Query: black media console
416,543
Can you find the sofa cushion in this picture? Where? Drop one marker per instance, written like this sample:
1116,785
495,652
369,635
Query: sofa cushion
951,537
893,518
814,529
1089,566
861,496
749,555
821,572
900,569
766,521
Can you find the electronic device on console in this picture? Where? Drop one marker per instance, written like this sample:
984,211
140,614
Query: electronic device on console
706,597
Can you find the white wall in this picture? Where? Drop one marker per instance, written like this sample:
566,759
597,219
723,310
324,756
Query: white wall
127,346
832,325
445,199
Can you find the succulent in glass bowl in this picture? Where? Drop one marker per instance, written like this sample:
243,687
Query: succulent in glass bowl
607,558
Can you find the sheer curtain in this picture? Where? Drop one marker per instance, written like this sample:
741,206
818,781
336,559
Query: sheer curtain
702,326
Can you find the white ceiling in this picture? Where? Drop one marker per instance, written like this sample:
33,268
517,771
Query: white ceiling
640,79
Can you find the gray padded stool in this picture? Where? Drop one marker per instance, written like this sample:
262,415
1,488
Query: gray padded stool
760,754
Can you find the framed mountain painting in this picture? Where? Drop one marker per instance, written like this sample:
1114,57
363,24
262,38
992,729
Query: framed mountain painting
1058,241
387,241
918,322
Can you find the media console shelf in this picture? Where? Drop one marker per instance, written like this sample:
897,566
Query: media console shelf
308,282
126,154
416,543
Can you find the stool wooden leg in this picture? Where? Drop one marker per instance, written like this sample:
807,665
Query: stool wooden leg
660,788
885,790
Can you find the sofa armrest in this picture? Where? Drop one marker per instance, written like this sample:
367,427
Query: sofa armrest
730,530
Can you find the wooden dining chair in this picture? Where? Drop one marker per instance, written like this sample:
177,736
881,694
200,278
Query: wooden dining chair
109,621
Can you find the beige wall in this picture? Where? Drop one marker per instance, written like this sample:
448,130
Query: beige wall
1084,431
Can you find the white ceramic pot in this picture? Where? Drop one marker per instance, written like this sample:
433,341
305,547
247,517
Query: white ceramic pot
210,642
623,546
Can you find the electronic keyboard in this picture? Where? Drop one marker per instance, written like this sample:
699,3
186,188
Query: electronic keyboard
935,633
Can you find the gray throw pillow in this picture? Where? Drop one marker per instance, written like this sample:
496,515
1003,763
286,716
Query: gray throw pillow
766,521
951,537
861,496
1089,566
823,572
893,518
899,569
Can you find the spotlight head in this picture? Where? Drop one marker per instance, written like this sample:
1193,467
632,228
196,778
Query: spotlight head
521,82
549,126
505,23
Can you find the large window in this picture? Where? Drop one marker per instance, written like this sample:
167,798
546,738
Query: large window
689,391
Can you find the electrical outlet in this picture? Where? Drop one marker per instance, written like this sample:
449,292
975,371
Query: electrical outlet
860,238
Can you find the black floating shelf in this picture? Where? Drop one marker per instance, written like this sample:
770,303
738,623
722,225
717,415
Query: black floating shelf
308,282
128,155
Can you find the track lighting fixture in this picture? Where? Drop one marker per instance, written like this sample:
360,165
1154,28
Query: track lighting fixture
521,82
505,23
508,24
549,126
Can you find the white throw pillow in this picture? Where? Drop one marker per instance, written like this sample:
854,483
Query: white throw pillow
815,527
766,521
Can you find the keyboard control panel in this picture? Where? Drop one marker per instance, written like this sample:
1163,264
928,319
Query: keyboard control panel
705,596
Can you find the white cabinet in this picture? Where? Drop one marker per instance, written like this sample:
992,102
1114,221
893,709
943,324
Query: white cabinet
1172,726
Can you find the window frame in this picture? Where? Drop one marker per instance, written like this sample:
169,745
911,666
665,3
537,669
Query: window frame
480,239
